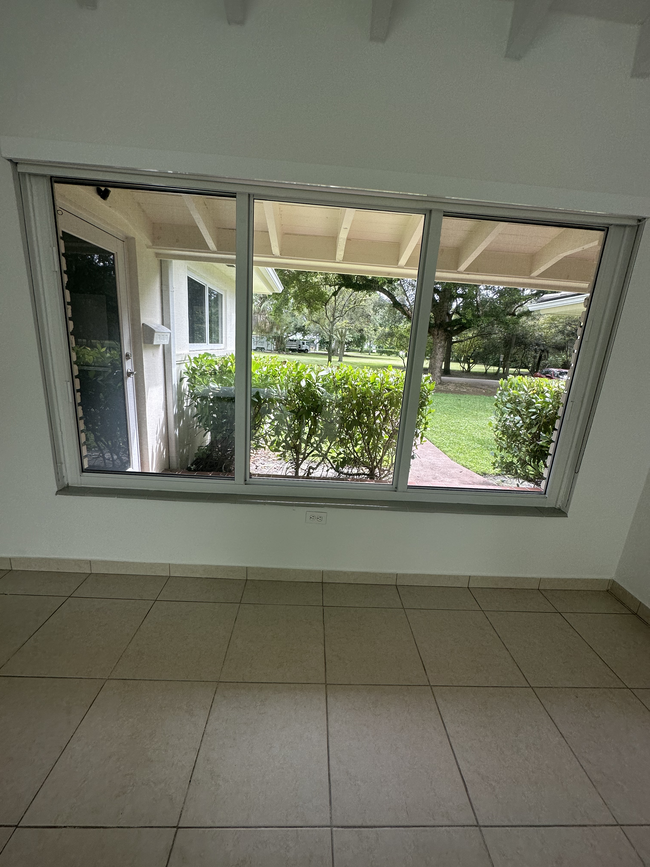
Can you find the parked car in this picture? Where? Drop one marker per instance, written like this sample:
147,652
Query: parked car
552,373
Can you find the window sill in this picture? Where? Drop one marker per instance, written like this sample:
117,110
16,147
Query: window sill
532,511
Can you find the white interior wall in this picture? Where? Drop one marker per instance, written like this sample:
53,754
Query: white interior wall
300,94
633,569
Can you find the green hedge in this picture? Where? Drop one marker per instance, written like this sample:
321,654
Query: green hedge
342,419
526,409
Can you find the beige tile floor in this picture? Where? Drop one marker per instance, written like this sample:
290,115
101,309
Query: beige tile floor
207,722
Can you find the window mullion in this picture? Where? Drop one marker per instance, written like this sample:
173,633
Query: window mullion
417,347
243,292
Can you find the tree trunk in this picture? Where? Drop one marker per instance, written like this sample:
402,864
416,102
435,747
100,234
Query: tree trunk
437,358
506,356
447,366
330,348
341,346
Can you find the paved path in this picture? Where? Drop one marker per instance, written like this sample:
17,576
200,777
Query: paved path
432,467
473,380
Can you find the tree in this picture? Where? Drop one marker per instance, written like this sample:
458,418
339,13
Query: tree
392,331
274,320
332,308
455,308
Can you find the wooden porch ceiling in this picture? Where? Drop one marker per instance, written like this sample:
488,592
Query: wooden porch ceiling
355,241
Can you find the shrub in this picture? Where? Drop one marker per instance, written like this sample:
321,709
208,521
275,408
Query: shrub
366,418
526,410
298,426
344,417
210,381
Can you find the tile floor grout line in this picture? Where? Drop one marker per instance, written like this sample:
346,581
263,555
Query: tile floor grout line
632,843
65,747
135,632
150,679
38,628
593,649
507,649
573,753
530,685
6,842
327,735
451,746
471,826
205,727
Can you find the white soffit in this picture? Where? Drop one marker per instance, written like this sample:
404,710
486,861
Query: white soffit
345,240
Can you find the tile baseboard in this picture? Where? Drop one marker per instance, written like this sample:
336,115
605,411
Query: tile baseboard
630,601
574,583
276,573
423,579
49,564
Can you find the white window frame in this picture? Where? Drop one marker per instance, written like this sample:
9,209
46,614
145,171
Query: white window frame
197,347
620,245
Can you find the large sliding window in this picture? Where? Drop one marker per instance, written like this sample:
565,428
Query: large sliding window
328,346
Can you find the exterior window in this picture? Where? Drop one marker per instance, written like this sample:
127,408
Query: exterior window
215,316
288,344
204,313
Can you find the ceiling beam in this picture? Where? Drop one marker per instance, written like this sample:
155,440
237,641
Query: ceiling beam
344,229
641,65
235,11
567,242
527,18
199,211
274,224
477,241
412,234
380,20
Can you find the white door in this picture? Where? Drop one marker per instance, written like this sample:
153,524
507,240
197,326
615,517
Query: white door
93,264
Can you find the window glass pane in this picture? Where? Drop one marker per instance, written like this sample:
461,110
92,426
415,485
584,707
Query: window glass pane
196,311
215,309
94,323
508,308
162,400
333,298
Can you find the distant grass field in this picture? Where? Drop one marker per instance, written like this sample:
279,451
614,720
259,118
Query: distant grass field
360,359
354,359
459,427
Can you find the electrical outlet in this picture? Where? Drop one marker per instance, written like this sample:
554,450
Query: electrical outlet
316,517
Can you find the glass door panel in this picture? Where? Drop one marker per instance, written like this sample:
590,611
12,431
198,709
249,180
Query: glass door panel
333,298
97,352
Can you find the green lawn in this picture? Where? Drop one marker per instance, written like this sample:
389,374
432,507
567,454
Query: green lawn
363,359
354,359
459,427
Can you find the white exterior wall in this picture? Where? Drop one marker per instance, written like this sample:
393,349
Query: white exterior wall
299,94
149,293
220,277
